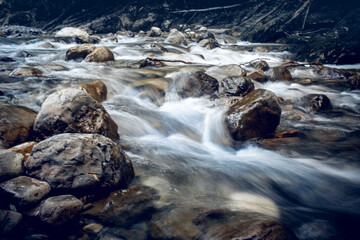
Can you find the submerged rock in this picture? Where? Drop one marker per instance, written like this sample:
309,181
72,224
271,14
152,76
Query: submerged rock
255,115
79,52
97,90
26,72
75,111
100,54
16,123
11,164
73,32
198,84
316,102
236,86
9,220
81,162
175,37
23,191
47,45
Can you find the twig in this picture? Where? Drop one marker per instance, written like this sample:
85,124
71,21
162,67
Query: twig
298,12
306,15
208,9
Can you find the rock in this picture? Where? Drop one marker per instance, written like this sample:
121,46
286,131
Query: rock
279,73
236,86
47,45
2,93
100,54
9,220
230,40
73,32
24,148
16,123
257,75
262,49
286,134
93,228
26,72
79,52
124,208
23,54
209,43
354,82
262,65
255,115
6,59
73,110
148,62
175,37
233,70
155,32
97,90
57,211
80,162
316,102
196,85
23,191
11,164
193,36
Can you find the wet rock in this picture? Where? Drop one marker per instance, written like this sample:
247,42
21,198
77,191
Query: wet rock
47,45
286,134
97,90
209,43
73,32
332,73
233,70
79,52
279,73
193,36
23,54
236,86
24,148
260,65
23,191
93,228
11,164
198,84
257,75
26,72
354,82
100,54
149,62
57,211
2,93
230,40
81,162
16,123
316,102
74,111
124,208
262,49
6,59
155,32
255,115
175,37
9,220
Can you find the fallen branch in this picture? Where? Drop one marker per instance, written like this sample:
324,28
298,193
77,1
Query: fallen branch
306,15
298,12
164,60
208,9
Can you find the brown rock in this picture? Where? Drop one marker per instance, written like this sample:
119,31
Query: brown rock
97,90
263,65
24,148
47,45
79,52
279,73
235,86
100,54
286,134
257,75
26,72
16,123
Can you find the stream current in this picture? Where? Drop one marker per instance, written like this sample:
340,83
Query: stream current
181,148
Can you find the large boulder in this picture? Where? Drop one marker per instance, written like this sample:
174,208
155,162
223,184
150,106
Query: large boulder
26,72
100,54
11,164
97,90
255,115
81,162
74,111
236,86
175,37
23,191
16,123
9,220
79,52
196,85
59,210
74,32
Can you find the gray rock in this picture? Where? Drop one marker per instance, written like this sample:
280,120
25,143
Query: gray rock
209,43
175,37
26,72
255,115
262,65
58,210
155,32
221,72
74,111
23,190
81,162
9,220
73,32
79,52
196,85
11,164
236,86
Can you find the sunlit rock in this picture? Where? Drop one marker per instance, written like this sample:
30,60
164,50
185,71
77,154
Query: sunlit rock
97,90
175,37
100,54
26,72
73,32
79,52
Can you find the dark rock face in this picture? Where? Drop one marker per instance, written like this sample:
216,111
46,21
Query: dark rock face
80,162
316,102
197,85
255,115
74,110
97,90
22,191
236,86
16,123
58,210
9,220
79,52
11,164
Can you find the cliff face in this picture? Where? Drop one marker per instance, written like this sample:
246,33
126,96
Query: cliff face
328,31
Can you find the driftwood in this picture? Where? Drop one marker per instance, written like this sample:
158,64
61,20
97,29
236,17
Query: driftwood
165,60
298,12
208,9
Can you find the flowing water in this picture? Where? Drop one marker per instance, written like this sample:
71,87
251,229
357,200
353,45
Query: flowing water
181,148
